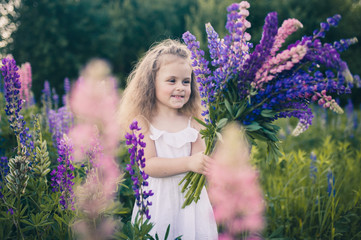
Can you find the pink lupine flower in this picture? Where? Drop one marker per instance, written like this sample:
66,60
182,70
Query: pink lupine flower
327,101
26,80
94,103
282,61
288,27
82,136
233,187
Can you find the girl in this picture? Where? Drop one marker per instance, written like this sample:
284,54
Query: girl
163,96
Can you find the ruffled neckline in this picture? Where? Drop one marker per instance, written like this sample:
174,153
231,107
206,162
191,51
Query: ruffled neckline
174,139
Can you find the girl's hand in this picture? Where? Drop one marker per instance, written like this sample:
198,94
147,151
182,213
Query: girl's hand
199,163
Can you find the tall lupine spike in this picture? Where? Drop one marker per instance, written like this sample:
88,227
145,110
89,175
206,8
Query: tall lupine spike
14,104
233,188
201,69
94,100
214,45
135,169
288,27
62,176
67,85
325,26
236,45
26,80
55,99
66,91
12,86
42,161
327,102
260,54
237,12
285,60
343,44
46,98
18,176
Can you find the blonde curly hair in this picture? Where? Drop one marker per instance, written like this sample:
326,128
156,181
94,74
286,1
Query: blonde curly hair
138,100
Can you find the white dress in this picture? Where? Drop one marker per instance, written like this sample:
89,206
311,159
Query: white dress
194,222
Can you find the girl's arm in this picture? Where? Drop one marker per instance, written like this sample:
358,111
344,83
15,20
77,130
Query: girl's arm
164,167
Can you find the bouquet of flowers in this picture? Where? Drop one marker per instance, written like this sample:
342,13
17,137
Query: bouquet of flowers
254,88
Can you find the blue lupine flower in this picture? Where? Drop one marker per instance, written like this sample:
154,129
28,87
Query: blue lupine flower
137,163
59,122
66,90
46,97
62,176
4,170
10,211
55,99
14,105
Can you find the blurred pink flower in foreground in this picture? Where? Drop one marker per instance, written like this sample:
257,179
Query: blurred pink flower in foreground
233,187
93,100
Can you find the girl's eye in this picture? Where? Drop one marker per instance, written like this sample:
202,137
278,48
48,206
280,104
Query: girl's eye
186,82
171,80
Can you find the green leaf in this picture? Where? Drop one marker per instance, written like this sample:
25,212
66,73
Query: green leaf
222,123
167,232
45,172
201,122
254,126
241,109
23,210
268,113
229,107
59,220
219,136
26,222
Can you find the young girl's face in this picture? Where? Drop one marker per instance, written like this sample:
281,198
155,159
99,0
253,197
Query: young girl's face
173,82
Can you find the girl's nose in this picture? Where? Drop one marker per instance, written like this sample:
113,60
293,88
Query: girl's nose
180,87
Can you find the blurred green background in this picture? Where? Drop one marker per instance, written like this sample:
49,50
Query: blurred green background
59,37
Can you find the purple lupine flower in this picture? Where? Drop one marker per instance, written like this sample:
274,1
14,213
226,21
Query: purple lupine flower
12,86
4,170
137,163
62,176
66,85
59,122
55,99
66,90
10,211
260,54
46,97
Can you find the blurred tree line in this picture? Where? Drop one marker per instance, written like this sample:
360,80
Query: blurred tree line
59,37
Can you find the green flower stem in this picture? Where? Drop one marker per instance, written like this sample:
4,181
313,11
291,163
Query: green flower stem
19,144
18,216
194,182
